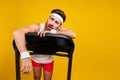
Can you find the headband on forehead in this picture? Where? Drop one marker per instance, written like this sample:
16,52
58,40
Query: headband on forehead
58,16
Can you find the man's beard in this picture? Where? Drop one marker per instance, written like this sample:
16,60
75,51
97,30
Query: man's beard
49,26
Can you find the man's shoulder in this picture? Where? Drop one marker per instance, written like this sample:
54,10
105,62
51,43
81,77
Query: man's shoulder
35,25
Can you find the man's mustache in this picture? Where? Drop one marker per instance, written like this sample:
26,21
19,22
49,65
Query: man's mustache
50,25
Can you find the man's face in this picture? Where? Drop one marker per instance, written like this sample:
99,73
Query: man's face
53,23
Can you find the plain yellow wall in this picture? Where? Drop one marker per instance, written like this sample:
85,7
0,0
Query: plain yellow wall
97,45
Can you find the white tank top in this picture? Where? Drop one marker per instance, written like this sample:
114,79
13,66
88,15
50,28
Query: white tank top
42,58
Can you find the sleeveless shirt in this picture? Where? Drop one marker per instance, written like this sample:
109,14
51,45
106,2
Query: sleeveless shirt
42,58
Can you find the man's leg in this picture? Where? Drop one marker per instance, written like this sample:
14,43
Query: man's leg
47,75
37,73
37,70
48,70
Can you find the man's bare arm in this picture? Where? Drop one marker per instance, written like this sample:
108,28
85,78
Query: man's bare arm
67,32
19,36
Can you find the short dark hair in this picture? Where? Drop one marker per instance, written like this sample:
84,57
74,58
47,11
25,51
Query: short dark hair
60,12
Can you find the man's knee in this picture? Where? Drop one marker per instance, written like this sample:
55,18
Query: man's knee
36,77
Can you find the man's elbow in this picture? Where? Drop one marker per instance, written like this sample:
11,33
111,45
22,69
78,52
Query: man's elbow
73,36
15,33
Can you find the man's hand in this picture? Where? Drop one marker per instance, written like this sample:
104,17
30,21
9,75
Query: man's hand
26,65
42,34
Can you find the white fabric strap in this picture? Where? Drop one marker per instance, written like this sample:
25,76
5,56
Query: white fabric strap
53,31
24,55
58,16
42,27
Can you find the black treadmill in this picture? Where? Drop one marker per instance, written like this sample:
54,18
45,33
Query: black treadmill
52,44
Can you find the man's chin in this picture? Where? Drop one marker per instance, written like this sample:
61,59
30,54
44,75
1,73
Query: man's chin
48,28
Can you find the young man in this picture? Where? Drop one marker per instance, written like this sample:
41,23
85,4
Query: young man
53,25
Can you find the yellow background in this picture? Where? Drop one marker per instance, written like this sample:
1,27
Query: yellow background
97,45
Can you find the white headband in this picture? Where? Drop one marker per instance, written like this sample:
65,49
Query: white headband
58,16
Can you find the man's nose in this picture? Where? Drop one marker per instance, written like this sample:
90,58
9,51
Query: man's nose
52,23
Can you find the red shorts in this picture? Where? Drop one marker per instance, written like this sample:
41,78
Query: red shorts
47,67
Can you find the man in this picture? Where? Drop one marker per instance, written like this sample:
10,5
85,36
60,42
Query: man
53,25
